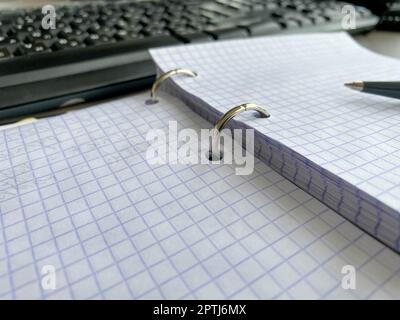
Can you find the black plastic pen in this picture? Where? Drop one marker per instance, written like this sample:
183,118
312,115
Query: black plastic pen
382,88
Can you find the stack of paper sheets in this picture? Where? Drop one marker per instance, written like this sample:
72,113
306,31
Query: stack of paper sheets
341,146
78,194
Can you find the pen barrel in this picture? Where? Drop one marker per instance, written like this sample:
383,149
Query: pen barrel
386,89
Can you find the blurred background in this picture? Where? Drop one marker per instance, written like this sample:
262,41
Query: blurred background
89,50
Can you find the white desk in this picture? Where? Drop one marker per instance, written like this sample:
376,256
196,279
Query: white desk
387,43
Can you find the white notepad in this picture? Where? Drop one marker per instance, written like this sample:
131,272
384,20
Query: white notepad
341,146
77,193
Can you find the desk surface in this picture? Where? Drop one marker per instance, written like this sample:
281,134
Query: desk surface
387,43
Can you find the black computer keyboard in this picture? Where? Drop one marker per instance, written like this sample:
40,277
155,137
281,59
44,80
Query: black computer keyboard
390,19
100,48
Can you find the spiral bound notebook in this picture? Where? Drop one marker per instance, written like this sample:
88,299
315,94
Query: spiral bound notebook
77,193
341,146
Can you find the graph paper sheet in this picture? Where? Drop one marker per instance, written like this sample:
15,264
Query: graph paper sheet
78,194
339,145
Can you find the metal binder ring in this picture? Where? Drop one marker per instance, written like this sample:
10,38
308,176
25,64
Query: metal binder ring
226,118
167,75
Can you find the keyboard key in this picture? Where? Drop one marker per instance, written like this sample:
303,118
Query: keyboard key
36,34
121,35
264,28
60,45
38,47
317,19
230,33
74,42
92,39
4,53
12,40
290,24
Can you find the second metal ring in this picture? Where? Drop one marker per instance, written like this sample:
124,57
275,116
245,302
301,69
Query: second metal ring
215,148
